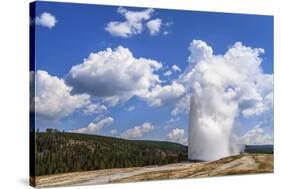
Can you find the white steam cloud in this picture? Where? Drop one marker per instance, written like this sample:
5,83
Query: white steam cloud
221,88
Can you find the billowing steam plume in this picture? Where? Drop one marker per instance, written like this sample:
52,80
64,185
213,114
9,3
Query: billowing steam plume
222,87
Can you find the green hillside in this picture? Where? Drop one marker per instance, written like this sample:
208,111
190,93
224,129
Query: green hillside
58,152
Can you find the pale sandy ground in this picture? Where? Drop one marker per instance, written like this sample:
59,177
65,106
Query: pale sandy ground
242,164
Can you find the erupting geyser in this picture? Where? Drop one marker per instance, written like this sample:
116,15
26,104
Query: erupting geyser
221,88
210,125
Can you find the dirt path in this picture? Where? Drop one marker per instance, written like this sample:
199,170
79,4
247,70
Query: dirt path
242,164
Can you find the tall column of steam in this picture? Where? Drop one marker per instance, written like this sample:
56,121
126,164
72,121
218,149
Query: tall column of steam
212,106
210,124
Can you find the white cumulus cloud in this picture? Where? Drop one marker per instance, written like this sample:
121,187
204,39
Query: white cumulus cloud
94,127
167,73
53,99
95,108
199,51
176,68
132,25
46,19
181,105
114,74
177,135
256,136
138,131
154,26
164,95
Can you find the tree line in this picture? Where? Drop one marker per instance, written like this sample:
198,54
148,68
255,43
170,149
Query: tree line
61,152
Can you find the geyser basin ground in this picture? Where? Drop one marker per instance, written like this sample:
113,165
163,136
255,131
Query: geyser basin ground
241,164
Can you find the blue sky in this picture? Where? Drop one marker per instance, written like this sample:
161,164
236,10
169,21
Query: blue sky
80,30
